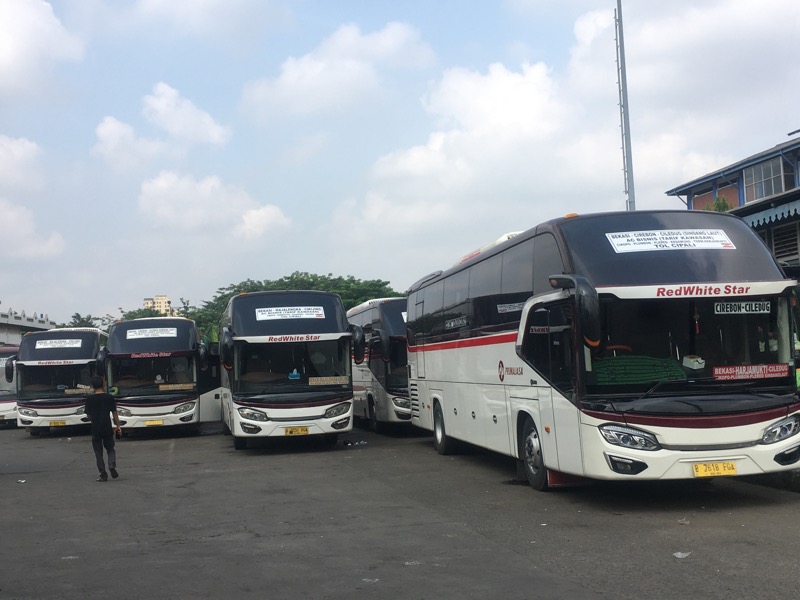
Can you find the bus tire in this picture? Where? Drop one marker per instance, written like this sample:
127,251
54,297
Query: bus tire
442,443
239,443
374,424
530,452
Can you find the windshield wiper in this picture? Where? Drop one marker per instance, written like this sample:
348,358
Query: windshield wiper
657,385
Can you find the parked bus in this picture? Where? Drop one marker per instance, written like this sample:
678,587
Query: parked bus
286,365
53,371
619,346
160,373
380,381
8,389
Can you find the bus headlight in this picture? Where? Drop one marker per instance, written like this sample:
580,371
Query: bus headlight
337,411
253,415
80,410
402,402
124,412
627,437
781,430
27,412
185,407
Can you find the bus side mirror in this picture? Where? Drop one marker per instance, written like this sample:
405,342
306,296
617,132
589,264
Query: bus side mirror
100,362
359,346
226,349
10,368
202,357
383,344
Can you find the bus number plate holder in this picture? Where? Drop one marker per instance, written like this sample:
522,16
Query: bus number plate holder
58,423
714,469
295,431
153,422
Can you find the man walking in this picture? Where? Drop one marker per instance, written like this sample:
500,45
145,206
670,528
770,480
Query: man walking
98,407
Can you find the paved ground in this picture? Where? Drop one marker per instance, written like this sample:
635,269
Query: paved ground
374,517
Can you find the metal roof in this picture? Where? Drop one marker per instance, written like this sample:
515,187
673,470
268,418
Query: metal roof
735,168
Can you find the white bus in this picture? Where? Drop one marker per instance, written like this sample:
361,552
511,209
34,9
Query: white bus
160,374
619,346
54,370
286,365
380,381
8,388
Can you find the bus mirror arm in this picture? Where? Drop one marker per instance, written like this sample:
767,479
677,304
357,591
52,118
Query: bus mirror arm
10,368
587,304
383,344
359,346
100,362
226,348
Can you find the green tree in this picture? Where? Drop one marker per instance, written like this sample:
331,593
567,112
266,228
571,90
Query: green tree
79,320
720,205
139,313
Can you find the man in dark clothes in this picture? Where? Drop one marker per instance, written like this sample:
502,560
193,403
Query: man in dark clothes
98,407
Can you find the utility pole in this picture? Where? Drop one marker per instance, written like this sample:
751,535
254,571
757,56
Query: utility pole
625,124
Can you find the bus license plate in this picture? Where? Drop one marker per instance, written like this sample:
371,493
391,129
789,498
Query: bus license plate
714,469
153,422
58,423
295,431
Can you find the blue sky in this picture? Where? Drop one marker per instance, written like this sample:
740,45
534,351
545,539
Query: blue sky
151,147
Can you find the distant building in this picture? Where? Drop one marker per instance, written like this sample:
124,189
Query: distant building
13,325
763,189
160,303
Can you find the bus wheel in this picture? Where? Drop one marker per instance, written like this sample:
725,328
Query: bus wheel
532,458
374,424
239,443
441,442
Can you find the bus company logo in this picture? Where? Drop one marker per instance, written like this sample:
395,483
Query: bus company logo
503,370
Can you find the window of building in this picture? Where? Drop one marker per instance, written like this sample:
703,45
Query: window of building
768,179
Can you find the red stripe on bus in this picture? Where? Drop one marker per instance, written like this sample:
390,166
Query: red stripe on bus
698,421
489,340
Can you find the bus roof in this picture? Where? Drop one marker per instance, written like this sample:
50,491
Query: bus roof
611,249
370,303
152,334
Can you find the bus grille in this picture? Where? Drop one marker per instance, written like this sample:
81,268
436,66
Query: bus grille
413,392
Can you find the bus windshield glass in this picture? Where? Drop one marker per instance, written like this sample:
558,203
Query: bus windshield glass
54,381
693,346
142,376
292,366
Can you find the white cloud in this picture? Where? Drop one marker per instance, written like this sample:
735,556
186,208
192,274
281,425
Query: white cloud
181,203
180,118
31,40
341,72
258,221
118,144
20,237
19,164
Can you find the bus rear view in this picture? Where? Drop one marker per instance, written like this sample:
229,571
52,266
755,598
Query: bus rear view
286,358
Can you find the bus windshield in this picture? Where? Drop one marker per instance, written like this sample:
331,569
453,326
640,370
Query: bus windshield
143,376
54,381
693,346
261,368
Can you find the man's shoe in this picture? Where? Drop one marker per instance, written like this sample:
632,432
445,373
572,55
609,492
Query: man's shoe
114,473
103,477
